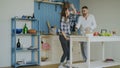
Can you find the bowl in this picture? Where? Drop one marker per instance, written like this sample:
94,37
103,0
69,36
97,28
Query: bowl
32,31
44,58
18,30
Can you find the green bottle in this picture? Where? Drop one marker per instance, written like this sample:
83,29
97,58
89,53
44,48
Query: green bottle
25,29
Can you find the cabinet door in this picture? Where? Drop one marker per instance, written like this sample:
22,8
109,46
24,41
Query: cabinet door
48,12
56,49
76,50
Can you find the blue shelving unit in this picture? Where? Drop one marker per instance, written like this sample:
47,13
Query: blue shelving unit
14,50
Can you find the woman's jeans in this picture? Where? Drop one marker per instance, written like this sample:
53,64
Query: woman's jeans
66,48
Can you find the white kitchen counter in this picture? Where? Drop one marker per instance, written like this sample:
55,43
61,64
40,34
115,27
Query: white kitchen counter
89,39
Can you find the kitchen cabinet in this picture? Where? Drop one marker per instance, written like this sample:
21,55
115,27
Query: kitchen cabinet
55,52
48,2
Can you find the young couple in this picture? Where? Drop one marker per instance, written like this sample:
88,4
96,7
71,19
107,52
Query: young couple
86,23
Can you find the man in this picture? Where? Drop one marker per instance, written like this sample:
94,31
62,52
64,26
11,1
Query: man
87,24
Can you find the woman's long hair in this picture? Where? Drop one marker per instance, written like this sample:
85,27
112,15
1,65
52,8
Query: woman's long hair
65,7
63,14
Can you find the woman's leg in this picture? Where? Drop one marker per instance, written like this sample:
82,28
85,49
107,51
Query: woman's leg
68,50
64,47
68,54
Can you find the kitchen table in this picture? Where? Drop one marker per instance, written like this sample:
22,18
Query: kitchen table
89,39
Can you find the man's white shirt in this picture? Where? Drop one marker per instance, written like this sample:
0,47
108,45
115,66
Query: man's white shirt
85,23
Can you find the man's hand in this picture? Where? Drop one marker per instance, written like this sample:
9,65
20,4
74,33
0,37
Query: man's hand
76,29
87,30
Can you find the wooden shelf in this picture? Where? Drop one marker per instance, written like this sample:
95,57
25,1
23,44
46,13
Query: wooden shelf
27,64
57,3
26,49
24,19
27,34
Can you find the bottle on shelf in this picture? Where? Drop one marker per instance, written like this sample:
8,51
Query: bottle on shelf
25,29
18,43
33,16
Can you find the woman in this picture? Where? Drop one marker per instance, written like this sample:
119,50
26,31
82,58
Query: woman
64,35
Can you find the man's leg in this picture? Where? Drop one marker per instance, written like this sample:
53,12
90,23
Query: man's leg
84,50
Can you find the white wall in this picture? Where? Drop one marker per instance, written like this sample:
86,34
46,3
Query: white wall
107,15
8,9
105,11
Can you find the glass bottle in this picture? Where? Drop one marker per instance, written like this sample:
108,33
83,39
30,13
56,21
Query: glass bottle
18,43
33,16
25,29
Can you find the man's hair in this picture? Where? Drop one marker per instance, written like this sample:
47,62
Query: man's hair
84,7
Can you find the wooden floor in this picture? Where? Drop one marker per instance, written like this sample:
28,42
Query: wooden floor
53,66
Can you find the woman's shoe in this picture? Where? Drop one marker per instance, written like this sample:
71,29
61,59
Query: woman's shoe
61,66
67,63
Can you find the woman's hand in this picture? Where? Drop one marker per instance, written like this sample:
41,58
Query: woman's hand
67,38
72,6
73,9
